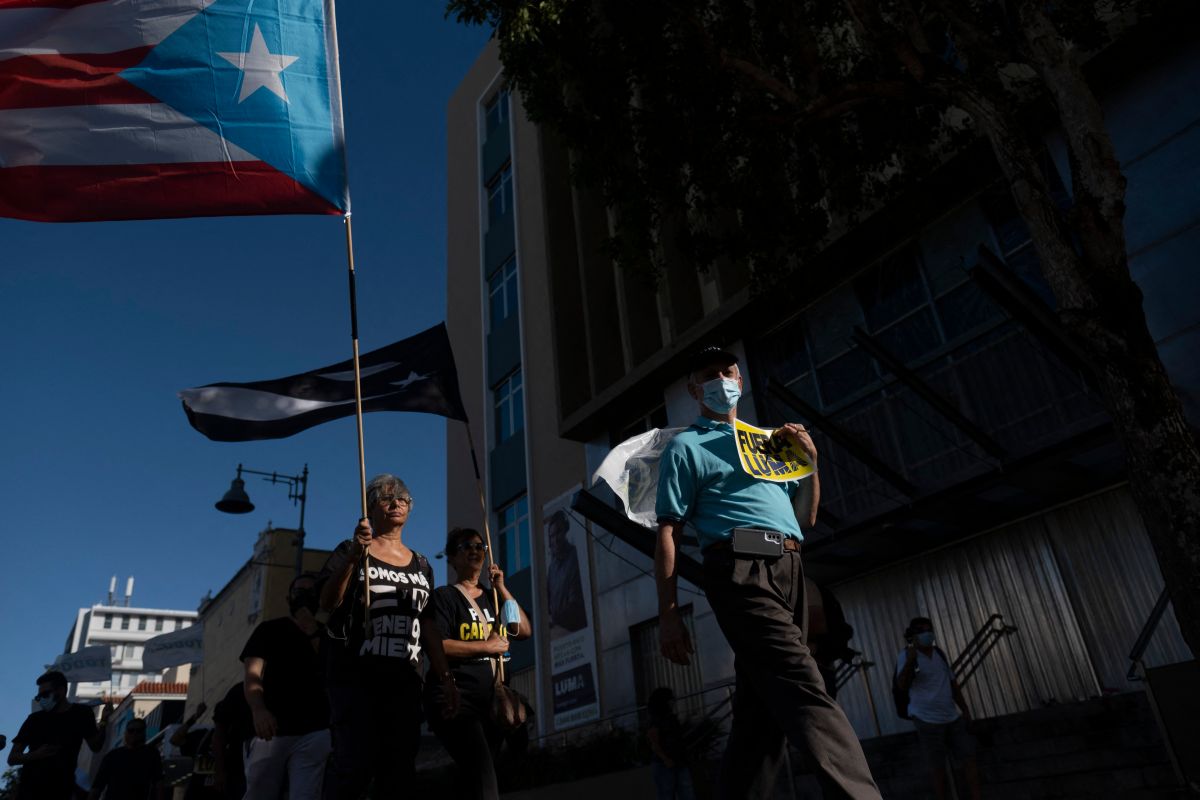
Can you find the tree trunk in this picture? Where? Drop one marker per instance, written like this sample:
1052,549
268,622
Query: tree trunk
1101,307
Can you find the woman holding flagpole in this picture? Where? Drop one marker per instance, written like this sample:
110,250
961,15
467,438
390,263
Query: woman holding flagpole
467,615
373,664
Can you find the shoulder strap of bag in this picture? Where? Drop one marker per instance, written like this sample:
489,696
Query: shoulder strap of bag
482,619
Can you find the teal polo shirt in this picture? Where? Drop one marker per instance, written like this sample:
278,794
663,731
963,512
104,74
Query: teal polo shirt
701,482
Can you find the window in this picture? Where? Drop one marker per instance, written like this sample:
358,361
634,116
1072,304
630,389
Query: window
510,407
158,623
502,289
124,623
129,651
108,621
513,522
499,194
655,419
495,113
142,623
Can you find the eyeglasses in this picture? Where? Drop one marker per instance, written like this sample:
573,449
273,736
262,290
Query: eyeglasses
476,547
388,499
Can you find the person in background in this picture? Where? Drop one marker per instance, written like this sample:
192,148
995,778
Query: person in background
47,745
233,726
472,645
936,706
131,772
668,752
285,690
374,656
195,742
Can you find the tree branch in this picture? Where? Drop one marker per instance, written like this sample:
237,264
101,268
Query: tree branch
1098,171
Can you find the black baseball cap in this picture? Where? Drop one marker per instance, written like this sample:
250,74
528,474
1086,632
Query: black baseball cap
710,355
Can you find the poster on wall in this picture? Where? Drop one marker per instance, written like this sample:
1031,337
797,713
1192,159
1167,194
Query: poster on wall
575,692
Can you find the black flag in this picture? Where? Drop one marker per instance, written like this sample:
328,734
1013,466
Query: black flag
414,374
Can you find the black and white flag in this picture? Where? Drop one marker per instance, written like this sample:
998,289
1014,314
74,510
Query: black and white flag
414,374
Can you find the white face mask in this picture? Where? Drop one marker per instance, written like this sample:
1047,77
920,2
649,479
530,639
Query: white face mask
721,395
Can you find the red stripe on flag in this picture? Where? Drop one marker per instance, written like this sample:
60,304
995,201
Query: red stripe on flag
43,81
4,4
153,191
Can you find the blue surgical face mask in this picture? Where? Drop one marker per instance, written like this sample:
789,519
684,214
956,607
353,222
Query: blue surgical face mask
721,395
925,639
47,702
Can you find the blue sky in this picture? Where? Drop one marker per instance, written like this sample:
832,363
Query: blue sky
102,323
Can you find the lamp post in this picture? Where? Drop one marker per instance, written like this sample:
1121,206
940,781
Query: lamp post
236,501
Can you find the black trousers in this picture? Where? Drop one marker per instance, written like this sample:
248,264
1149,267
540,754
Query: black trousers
473,742
376,733
780,696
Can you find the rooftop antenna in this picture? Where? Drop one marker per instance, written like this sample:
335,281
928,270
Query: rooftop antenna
128,590
112,589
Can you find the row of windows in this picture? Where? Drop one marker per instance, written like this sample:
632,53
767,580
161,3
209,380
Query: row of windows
910,304
138,623
125,651
508,396
126,680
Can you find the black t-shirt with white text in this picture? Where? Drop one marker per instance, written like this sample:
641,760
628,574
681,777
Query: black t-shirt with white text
129,773
67,730
293,684
392,647
457,621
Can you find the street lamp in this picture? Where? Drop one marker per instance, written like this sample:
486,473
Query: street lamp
236,501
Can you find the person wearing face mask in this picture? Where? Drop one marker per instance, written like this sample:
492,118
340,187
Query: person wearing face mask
750,533
936,706
286,694
47,745
132,772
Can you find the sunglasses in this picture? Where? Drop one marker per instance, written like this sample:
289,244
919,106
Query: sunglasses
476,547
388,499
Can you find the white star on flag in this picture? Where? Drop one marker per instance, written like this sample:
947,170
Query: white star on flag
260,68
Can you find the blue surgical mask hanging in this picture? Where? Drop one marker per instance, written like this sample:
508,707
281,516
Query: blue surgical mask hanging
721,395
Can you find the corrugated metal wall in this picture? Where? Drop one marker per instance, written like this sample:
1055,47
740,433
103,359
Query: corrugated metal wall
1077,583
651,670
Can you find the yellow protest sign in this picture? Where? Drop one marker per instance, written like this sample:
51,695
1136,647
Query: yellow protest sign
770,459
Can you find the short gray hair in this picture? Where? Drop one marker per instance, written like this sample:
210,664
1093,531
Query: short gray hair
385,482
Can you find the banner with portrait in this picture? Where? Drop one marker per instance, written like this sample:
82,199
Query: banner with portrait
575,691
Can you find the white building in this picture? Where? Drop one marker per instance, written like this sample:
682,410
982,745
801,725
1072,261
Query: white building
124,628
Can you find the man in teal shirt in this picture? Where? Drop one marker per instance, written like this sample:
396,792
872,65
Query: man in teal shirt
758,599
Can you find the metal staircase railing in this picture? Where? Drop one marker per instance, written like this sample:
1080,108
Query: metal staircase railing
1147,632
983,642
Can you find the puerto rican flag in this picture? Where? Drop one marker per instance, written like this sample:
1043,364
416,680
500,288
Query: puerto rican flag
143,109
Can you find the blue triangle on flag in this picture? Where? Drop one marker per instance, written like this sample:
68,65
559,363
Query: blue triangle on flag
269,93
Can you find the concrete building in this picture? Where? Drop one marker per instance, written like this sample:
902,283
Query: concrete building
968,469
256,592
123,627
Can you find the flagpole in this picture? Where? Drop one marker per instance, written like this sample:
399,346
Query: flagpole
358,413
487,536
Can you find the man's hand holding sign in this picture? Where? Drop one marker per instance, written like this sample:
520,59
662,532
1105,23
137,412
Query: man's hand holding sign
748,492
